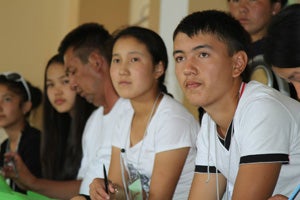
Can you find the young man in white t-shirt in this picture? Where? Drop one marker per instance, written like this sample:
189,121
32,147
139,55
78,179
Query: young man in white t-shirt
249,142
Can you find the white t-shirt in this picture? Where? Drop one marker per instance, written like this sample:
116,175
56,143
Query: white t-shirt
96,143
266,129
171,127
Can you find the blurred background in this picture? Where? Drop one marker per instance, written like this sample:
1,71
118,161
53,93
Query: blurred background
31,30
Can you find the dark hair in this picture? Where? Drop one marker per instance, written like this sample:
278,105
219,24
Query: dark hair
61,150
85,39
227,29
282,45
282,2
154,44
18,88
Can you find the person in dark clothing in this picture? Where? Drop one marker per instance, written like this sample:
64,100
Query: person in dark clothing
17,98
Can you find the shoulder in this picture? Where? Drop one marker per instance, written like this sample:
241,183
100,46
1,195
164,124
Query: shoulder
266,98
171,112
172,108
31,133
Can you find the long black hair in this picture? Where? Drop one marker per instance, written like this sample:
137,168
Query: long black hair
61,149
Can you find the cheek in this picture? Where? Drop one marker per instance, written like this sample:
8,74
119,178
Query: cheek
50,95
178,73
113,73
71,95
233,9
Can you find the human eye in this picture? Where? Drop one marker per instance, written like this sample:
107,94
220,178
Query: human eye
294,78
49,85
66,81
134,59
178,59
7,99
203,55
115,60
70,72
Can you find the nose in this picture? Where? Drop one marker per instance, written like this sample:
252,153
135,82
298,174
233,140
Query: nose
123,69
243,6
57,91
190,67
72,83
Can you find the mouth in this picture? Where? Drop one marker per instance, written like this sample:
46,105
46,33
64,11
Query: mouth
243,21
124,83
190,84
59,101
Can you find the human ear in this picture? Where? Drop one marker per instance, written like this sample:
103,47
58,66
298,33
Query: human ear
276,8
240,60
159,70
96,60
26,107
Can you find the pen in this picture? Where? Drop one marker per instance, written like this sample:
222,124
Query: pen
295,192
105,179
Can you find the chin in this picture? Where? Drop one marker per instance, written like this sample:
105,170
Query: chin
193,100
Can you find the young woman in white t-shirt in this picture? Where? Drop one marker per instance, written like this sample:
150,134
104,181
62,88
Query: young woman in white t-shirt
155,140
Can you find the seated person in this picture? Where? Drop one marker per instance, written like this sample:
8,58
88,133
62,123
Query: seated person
17,98
249,141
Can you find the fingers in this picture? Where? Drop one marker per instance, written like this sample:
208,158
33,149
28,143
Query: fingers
278,197
97,190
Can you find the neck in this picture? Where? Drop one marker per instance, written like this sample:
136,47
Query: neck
110,96
223,112
14,134
143,106
15,130
258,36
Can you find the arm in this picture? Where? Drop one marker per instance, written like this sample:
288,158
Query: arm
278,197
256,181
202,188
166,172
97,187
50,188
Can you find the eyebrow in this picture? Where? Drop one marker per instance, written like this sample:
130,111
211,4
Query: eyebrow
131,52
291,76
194,49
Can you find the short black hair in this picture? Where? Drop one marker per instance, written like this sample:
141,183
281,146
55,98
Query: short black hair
222,25
86,38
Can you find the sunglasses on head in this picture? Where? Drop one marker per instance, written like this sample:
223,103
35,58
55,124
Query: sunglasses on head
13,76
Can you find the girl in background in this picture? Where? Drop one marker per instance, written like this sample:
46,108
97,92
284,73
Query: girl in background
17,98
65,114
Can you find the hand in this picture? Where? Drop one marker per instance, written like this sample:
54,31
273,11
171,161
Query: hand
18,171
97,189
78,198
278,197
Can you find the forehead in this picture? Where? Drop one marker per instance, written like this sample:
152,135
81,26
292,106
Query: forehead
182,42
4,90
71,60
55,69
129,43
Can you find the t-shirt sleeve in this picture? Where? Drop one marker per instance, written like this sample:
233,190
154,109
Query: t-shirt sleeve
175,132
265,132
204,162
